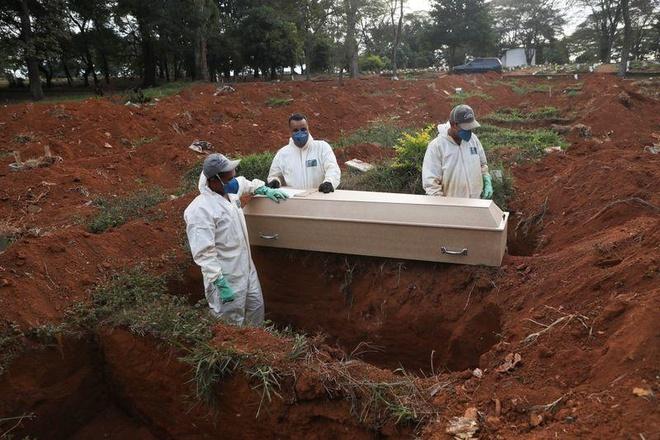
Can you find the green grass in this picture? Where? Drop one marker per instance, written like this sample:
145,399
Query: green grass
459,98
529,143
384,132
517,115
24,138
210,365
166,89
138,142
530,88
117,211
278,102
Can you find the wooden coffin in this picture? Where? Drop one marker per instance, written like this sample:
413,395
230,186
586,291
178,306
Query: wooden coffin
415,227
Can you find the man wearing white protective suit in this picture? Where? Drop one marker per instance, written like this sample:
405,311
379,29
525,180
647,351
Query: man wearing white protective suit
218,239
304,163
455,162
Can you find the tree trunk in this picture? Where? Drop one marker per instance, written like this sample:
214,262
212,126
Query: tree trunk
201,56
351,44
69,80
105,66
48,73
623,68
31,60
148,55
397,37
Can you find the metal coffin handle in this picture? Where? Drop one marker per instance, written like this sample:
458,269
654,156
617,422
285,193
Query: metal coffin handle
463,252
269,237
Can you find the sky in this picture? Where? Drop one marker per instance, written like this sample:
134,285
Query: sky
574,15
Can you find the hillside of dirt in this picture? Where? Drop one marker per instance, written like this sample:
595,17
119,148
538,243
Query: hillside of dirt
574,305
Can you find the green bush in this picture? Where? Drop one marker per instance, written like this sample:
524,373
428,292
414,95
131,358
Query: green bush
255,166
401,175
371,63
115,212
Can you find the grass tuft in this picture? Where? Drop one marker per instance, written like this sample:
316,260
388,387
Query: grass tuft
115,212
278,102
268,382
460,97
210,364
384,132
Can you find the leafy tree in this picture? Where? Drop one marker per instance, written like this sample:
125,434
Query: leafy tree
34,27
268,42
530,24
462,26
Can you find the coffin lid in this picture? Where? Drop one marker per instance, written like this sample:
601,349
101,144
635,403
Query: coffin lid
384,208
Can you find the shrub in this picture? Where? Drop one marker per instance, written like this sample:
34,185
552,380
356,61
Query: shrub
371,63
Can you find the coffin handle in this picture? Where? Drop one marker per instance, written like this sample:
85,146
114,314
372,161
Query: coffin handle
269,237
463,252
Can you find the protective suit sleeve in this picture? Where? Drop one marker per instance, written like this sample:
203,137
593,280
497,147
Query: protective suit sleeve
246,186
330,166
432,171
276,172
200,229
482,159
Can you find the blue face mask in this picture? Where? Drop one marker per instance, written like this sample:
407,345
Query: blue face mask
465,134
300,138
231,187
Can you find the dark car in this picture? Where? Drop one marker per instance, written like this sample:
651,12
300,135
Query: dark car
478,65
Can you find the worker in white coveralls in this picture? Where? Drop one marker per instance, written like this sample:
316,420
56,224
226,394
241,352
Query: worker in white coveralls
219,243
455,162
304,163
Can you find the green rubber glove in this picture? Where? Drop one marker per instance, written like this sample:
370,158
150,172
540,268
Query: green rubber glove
488,187
226,292
274,194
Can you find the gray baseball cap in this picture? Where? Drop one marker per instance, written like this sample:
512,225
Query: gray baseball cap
463,115
217,163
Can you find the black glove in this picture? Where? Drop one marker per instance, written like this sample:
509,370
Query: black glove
273,184
326,187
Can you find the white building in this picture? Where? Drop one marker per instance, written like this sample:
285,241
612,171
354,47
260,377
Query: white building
516,57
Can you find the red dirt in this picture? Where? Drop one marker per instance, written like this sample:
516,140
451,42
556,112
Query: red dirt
594,255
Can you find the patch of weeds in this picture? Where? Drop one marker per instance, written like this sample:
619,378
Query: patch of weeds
278,102
255,166
138,142
190,179
11,343
115,212
517,115
530,143
460,97
503,189
530,88
210,364
384,132
166,89
401,175
268,382
573,93
24,138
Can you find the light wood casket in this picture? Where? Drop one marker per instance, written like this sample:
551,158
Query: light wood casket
415,227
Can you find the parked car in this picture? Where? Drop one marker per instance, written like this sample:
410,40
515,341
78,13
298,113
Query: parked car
478,65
